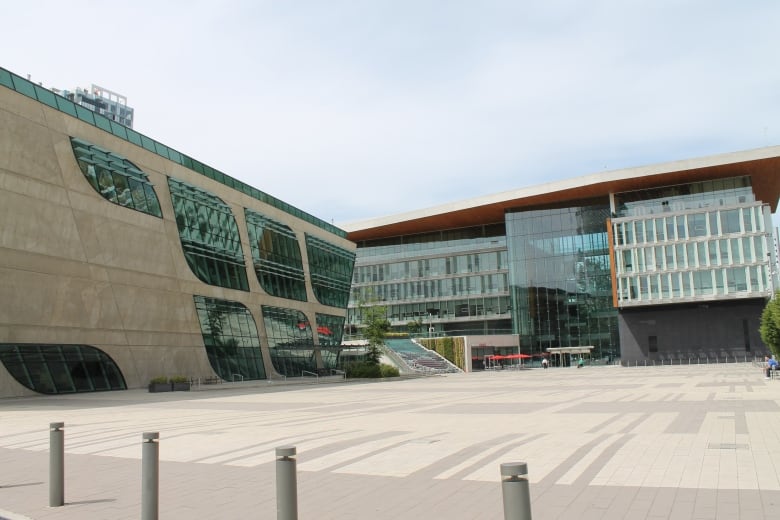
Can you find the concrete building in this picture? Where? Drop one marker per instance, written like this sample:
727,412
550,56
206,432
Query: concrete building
662,263
123,260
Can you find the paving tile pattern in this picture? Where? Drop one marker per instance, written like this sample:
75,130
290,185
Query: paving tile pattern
607,443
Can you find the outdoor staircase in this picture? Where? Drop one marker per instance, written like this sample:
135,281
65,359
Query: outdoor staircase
420,359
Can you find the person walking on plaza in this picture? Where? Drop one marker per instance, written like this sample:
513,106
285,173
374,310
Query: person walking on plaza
544,362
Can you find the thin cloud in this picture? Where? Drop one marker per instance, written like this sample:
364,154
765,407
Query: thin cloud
352,110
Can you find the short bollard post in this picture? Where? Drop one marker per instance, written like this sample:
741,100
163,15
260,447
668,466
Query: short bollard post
286,484
56,464
150,476
514,488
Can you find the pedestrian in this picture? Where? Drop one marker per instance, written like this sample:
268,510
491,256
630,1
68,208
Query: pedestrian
580,363
771,364
544,362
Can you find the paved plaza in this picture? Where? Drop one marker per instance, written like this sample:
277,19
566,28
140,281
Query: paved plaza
682,442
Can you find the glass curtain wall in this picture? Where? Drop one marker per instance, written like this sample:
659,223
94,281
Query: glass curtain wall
703,241
231,339
330,269
697,195
290,341
115,178
561,281
277,257
61,369
454,281
330,330
209,236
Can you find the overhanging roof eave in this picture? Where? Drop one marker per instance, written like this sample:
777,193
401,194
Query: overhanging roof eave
762,164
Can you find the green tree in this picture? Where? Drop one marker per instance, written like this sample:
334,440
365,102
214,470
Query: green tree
414,326
770,325
376,327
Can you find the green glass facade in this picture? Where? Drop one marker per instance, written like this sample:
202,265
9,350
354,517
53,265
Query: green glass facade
61,369
561,280
277,257
209,236
330,331
290,341
115,178
330,268
231,339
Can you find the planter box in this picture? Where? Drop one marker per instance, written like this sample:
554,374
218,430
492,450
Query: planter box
181,387
160,387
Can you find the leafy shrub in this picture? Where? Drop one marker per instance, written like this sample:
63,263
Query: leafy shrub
389,371
370,370
179,379
159,379
363,369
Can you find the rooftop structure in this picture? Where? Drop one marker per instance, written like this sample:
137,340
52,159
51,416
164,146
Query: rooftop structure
103,101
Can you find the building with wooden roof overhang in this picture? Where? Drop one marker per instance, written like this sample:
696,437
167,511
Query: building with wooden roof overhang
664,263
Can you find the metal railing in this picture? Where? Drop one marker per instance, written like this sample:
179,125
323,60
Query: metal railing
705,359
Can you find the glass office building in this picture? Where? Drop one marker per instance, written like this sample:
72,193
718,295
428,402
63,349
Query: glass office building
452,282
561,283
643,265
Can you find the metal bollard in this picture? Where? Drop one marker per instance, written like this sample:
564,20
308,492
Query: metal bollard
515,490
286,484
150,476
56,464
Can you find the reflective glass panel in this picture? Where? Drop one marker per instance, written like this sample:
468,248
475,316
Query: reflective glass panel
113,176
276,256
330,268
721,192
209,236
231,339
560,279
330,330
61,369
730,221
290,340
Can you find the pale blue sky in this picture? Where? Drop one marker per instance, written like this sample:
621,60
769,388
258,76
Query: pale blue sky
351,110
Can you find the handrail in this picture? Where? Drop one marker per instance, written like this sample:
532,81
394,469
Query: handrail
315,374
337,372
233,376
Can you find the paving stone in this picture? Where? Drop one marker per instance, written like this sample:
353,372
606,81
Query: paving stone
606,443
